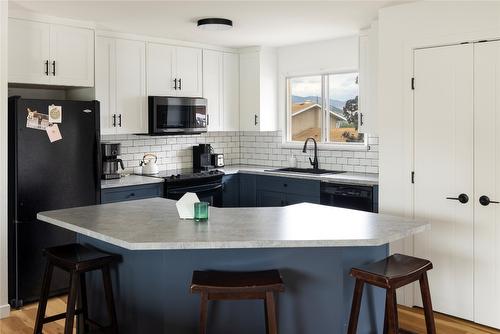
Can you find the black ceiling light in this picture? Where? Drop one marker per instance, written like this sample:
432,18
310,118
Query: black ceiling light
214,23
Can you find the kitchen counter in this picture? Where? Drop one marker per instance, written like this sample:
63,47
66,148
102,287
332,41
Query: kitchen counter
369,179
154,224
130,180
313,246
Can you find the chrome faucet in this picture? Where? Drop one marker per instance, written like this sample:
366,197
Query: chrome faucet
314,162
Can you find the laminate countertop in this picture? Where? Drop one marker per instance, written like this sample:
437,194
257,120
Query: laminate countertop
153,224
130,180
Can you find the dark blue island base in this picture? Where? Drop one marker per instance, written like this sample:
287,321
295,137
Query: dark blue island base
151,290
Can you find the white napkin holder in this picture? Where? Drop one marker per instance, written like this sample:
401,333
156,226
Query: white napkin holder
185,205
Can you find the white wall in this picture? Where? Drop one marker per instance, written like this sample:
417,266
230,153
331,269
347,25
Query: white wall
337,55
401,29
4,307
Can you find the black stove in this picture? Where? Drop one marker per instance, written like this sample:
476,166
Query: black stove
207,184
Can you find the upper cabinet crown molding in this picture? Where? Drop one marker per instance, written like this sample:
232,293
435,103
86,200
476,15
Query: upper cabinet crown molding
50,54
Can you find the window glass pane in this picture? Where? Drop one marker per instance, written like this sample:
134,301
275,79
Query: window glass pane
343,91
305,108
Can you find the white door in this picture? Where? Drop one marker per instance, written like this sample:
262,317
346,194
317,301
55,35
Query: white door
131,97
160,70
105,82
231,83
71,56
28,52
249,91
213,88
188,65
443,144
487,183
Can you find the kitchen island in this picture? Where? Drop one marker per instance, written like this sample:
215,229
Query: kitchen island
313,246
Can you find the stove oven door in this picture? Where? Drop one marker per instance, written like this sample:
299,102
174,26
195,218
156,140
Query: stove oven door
211,193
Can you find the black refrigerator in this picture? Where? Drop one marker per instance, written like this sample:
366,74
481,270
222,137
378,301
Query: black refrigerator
47,176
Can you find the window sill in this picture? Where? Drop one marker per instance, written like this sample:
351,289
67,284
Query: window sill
329,147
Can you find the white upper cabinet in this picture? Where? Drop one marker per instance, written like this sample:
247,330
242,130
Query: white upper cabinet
231,98
121,85
72,56
368,79
213,88
50,54
174,70
29,52
221,89
161,70
188,66
258,90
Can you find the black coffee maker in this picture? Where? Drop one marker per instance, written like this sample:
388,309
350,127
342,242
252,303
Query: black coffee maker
110,161
202,157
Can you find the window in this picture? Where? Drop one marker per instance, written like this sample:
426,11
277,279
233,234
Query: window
324,107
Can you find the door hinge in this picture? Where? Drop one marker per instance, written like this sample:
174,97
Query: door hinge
412,177
412,83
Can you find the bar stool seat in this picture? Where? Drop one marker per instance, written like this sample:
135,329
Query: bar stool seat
391,273
77,260
223,285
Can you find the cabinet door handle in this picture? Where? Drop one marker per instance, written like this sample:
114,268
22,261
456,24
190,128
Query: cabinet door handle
54,68
180,84
485,200
462,198
46,67
120,120
208,119
175,84
361,119
256,119
114,120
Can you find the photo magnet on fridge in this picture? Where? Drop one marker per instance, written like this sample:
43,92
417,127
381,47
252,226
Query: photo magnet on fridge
37,121
55,114
53,132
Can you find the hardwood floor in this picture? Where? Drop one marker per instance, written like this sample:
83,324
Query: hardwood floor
411,319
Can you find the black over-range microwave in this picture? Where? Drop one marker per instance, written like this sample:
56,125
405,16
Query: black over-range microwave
177,115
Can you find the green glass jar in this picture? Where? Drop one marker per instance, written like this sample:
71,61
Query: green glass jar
201,211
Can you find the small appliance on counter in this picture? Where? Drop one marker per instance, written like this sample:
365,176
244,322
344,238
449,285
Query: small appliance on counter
218,160
148,164
202,157
110,161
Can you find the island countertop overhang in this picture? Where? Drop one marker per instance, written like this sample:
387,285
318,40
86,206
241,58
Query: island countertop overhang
153,224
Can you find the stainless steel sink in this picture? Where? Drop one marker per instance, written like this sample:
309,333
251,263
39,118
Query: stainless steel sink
305,170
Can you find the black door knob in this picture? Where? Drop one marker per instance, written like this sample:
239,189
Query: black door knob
485,200
462,198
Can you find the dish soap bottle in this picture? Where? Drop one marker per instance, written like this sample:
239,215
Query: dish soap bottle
293,161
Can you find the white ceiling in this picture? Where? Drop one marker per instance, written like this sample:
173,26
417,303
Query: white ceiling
271,23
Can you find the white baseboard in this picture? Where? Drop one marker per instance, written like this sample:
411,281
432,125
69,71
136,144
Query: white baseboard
4,311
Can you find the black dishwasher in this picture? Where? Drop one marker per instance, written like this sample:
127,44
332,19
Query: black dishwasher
349,196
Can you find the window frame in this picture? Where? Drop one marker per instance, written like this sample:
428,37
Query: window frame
324,144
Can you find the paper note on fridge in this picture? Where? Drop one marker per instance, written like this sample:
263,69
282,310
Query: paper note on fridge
36,120
55,114
53,132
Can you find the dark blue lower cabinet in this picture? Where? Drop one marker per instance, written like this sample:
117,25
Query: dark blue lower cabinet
266,198
121,194
231,191
248,190
297,198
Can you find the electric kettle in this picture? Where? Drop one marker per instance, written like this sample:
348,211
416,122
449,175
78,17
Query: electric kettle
148,164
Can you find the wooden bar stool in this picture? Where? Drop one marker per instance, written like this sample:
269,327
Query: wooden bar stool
77,260
220,285
391,273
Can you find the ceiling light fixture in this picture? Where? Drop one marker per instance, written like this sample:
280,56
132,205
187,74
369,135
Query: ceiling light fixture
214,23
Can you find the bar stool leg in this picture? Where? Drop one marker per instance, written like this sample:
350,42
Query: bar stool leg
426,301
83,298
385,318
108,291
70,308
271,322
203,312
392,312
356,306
42,305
